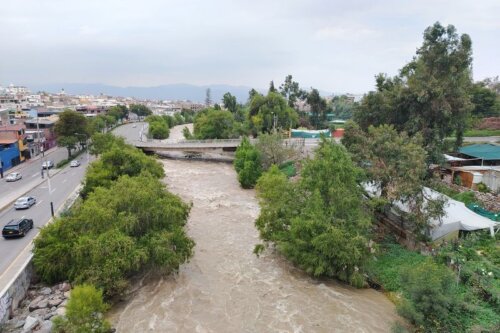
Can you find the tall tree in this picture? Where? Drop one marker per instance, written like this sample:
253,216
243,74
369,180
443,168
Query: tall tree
267,112
230,102
484,100
70,129
396,164
318,108
214,124
291,91
431,93
208,97
319,222
271,87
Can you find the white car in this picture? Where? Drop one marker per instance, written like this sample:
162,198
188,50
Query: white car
24,202
74,163
12,177
48,164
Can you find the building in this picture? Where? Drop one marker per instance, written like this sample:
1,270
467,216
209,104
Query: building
13,145
46,128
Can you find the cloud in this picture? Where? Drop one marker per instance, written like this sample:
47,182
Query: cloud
344,33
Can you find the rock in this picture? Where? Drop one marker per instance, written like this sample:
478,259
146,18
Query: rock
53,309
61,311
43,304
34,303
45,327
19,323
63,304
67,294
49,315
40,312
64,287
55,302
45,291
30,323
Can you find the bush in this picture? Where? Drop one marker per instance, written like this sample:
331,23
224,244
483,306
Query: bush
481,187
247,164
84,312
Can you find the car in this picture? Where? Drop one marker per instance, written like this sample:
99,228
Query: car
17,228
24,202
14,176
48,164
74,163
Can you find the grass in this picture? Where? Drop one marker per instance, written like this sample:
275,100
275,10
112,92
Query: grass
478,291
477,132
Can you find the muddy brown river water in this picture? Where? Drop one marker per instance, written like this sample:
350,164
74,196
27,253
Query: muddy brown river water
226,288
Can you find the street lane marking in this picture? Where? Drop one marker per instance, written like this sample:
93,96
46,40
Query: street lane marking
36,174
53,190
23,216
39,202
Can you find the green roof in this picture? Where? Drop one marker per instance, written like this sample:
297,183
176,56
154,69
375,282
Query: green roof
487,152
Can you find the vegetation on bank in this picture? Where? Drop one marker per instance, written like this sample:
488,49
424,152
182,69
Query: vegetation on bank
107,238
455,290
318,222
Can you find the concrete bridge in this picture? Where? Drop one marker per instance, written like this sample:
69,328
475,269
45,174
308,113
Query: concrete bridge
201,146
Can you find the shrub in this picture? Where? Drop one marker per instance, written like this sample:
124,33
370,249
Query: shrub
481,187
247,164
84,312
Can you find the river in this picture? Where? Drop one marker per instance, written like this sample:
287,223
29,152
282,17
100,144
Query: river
226,288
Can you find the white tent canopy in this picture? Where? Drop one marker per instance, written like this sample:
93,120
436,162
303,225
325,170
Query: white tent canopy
457,215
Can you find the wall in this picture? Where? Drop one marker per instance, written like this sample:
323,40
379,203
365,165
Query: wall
10,156
492,180
15,293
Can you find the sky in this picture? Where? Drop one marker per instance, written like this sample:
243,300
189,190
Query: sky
335,46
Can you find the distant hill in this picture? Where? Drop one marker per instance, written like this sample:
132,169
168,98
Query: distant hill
164,92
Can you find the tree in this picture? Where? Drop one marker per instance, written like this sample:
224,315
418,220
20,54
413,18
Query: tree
140,110
318,223
230,102
68,127
318,108
208,98
213,124
396,164
268,112
291,91
118,161
84,312
431,93
484,100
158,127
273,150
110,237
119,112
247,163
271,87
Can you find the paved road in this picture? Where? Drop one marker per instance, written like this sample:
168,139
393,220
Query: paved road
491,139
31,172
63,182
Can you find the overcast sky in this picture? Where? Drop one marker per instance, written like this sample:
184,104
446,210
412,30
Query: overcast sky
336,46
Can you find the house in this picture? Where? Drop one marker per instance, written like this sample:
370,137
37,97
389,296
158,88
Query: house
488,153
15,135
47,125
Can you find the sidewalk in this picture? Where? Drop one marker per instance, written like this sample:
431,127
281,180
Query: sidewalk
29,162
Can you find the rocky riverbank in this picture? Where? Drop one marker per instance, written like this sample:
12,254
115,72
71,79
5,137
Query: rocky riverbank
36,311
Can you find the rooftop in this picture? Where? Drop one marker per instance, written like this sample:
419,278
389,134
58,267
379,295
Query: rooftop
487,152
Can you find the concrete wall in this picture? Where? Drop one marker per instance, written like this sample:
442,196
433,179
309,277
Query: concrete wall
492,180
15,292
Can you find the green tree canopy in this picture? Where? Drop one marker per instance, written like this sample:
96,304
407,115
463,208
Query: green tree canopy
140,110
109,237
268,112
69,129
430,95
485,101
396,164
291,91
158,127
318,223
214,124
247,164
318,108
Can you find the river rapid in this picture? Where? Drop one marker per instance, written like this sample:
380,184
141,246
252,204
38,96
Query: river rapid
226,288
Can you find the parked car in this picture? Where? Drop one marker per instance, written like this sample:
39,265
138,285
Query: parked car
74,163
24,202
48,164
14,176
17,228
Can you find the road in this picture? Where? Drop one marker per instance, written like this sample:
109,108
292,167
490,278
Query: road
63,183
31,172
